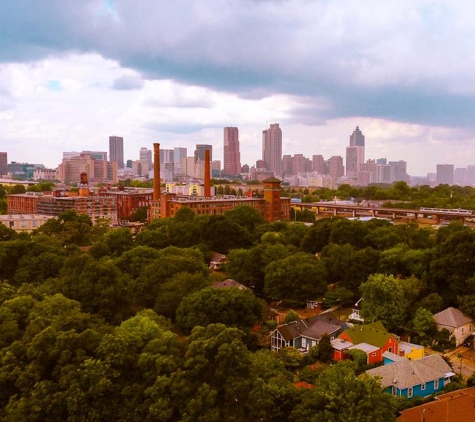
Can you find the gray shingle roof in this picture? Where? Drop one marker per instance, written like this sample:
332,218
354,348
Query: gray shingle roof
408,373
451,317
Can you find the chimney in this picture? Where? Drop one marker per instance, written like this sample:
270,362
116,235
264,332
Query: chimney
207,174
156,172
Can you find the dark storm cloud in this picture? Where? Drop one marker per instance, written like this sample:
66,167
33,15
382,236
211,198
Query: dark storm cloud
408,61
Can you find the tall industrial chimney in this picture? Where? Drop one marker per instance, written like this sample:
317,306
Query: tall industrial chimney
156,172
207,174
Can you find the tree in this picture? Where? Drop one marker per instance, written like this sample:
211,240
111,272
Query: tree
325,349
339,388
231,306
298,277
384,300
424,323
169,262
291,316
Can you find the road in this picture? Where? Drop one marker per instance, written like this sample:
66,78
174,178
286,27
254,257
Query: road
466,362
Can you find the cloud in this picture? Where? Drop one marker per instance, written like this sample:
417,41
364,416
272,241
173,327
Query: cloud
127,82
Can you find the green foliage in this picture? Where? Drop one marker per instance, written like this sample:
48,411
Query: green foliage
298,277
291,316
424,323
384,300
290,357
230,306
339,395
325,349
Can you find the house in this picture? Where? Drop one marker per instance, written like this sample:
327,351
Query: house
216,260
400,376
372,338
411,350
459,325
306,333
229,282
454,406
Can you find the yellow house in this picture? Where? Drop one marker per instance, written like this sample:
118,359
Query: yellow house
410,350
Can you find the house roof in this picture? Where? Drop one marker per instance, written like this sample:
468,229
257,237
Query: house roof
392,356
229,282
216,257
365,347
455,406
341,344
407,348
313,328
373,333
451,317
408,373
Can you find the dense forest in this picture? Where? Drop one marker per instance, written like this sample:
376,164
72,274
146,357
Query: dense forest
99,324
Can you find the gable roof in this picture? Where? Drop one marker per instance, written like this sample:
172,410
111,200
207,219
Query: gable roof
313,328
229,282
454,406
451,317
408,373
374,334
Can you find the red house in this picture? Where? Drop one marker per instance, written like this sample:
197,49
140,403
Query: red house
372,338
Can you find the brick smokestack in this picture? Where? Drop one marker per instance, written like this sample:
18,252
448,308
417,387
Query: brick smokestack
207,174
156,172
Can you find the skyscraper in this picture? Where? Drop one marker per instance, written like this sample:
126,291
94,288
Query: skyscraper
116,150
232,156
272,148
146,159
357,138
445,174
355,153
200,152
3,164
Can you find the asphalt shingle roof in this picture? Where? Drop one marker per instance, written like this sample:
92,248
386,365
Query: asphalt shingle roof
451,317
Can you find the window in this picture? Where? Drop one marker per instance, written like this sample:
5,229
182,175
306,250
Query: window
394,392
409,392
423,386
436,384
304,343
374,354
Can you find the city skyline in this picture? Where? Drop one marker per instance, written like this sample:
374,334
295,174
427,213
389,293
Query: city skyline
400,70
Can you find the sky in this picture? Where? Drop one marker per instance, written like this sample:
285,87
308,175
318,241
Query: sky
72,73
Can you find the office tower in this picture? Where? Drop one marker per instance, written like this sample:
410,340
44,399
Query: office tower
146,159
318,164
216,168
381,161
357,138
116,150
298,164
3,164
179,153
287,165
471,175
335,166
261,164
354,160
445,174
272,148
400,171
200,152
232,156
384,173
460,176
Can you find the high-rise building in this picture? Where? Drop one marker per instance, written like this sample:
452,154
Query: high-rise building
179,154
335,166
287,165
200,152
232,156
460,176
471,175
298,164
445,174
357,138
318,164
3,164
116,150
272,148
354,160
146,159
400,171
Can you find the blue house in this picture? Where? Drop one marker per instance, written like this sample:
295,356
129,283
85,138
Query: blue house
400,376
